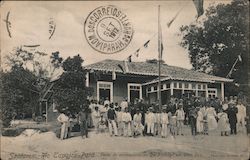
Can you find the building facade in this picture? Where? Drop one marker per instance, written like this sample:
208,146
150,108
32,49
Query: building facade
115,80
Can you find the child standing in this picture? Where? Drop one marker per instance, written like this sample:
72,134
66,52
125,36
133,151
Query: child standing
102,124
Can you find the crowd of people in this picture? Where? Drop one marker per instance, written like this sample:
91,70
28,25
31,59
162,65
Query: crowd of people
144,119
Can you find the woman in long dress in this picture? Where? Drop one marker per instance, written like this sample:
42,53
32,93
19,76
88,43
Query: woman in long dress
223,123
199,122
211,114
96,118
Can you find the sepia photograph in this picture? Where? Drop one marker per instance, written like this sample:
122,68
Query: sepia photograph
123,80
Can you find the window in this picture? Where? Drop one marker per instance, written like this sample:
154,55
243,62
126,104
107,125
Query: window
155,88
162,86
204,86
180,85
134,92
175,85
186,85
199,86
168,85
104,90
212,92
193,86
134,87
149,89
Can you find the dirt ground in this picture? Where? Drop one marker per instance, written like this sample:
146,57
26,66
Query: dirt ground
102,146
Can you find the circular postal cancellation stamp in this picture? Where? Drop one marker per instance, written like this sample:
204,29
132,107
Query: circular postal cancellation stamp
108,30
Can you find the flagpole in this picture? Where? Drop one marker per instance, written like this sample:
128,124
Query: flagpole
159,57
231,70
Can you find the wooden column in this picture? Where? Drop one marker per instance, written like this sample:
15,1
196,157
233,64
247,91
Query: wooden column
46,111
87,80
171,88
222,91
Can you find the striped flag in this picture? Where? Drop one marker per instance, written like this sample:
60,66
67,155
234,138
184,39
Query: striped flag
199,7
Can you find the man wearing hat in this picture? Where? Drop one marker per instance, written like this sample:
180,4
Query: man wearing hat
150,121
180,116
192,119
232,116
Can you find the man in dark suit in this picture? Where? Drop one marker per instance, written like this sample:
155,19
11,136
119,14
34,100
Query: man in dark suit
232,112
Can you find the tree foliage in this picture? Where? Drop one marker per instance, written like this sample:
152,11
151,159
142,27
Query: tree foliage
23,82
70,92
215,44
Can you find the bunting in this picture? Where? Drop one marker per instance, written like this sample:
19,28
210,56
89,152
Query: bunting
146,44
129,58
239,57
137,52
173,19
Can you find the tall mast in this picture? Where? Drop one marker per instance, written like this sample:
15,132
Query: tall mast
159,57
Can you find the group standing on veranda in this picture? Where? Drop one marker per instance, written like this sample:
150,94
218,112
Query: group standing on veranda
132,120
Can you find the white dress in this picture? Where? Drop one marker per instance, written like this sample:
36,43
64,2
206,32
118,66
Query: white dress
199,122
212,123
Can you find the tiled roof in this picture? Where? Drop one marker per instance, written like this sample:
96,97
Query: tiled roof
151,69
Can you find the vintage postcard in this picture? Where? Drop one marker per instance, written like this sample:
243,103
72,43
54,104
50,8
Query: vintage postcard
109,80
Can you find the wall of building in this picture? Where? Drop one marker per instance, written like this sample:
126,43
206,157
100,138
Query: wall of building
120,84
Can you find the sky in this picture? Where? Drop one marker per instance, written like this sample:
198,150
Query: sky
30,26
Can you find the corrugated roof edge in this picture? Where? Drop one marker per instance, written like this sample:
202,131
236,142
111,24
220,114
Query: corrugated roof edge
93,67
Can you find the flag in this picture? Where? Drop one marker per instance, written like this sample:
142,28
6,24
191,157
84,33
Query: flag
146,44
199,7
173,19
239,58
121,68
136,53
160,45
